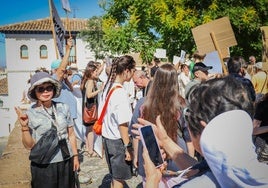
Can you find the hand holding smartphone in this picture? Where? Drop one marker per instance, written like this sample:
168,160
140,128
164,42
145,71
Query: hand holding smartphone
149,141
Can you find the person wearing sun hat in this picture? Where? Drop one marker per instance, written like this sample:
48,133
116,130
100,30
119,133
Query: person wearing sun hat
37,120
38,79
260,81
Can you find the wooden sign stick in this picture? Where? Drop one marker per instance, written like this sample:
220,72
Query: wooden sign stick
225,72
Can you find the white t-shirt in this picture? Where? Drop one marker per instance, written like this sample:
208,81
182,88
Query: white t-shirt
118,112
183,81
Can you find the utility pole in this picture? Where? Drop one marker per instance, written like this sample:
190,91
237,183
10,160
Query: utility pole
74,9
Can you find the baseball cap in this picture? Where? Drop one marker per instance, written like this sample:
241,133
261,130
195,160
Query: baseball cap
201,66
55,64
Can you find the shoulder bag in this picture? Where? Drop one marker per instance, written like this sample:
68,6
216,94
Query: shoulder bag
97,127
47,146
90,112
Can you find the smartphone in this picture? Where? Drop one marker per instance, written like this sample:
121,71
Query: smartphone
149,141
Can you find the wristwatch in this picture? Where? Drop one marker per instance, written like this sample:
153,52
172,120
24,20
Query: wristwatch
129,145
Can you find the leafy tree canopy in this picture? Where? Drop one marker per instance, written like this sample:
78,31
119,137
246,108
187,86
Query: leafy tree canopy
144,25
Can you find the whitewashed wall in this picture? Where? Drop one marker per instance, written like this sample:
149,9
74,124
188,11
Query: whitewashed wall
84,55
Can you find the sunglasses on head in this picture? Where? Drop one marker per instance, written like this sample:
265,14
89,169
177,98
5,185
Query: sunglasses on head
42,89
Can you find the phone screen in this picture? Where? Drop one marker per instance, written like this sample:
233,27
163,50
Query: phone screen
149,141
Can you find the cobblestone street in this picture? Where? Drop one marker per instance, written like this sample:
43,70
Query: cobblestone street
96,169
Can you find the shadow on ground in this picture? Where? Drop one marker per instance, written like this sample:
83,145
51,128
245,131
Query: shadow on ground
107,181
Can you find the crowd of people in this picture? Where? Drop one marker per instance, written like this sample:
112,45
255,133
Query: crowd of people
204,122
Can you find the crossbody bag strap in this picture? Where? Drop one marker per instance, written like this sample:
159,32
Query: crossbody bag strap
52,116
106,103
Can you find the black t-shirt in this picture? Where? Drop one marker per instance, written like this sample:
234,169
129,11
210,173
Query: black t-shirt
261,115
153,70
247,83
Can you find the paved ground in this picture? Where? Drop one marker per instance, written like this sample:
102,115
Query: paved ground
14,163
15,171
96,169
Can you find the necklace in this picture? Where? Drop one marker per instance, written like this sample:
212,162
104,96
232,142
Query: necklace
52,115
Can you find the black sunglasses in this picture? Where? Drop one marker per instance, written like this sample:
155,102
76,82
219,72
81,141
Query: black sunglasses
42,89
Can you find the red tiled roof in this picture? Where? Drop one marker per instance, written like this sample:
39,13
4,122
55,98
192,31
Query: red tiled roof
44,25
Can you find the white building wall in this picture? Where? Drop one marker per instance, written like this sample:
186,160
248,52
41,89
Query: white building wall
33,42
84,55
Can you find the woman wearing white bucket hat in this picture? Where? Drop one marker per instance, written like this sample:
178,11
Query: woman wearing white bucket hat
260,81
37,120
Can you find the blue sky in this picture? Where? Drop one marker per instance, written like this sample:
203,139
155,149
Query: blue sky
20,11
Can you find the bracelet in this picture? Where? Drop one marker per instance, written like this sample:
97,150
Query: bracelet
75,155
25,128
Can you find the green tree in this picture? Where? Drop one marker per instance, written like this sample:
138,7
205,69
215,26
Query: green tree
143,25
125,31
94,37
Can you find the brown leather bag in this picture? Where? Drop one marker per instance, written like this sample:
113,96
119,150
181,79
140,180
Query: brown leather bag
90,115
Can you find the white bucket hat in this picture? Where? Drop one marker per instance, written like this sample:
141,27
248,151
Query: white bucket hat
258,65
40,78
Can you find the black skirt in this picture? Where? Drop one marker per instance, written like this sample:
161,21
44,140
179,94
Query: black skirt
54,175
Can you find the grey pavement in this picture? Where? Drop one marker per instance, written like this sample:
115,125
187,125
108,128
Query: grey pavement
95,174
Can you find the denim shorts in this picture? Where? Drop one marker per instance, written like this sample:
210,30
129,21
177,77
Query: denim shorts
119,168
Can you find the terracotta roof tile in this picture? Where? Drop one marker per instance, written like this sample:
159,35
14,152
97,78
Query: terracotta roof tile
44,25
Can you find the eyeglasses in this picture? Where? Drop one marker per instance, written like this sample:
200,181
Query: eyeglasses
42,89
186,113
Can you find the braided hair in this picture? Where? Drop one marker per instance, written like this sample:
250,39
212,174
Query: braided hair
119,65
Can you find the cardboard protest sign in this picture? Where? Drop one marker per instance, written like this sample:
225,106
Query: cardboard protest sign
265,66
137,58
223,32
160,53
176,59
217,36
264,32
182,57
